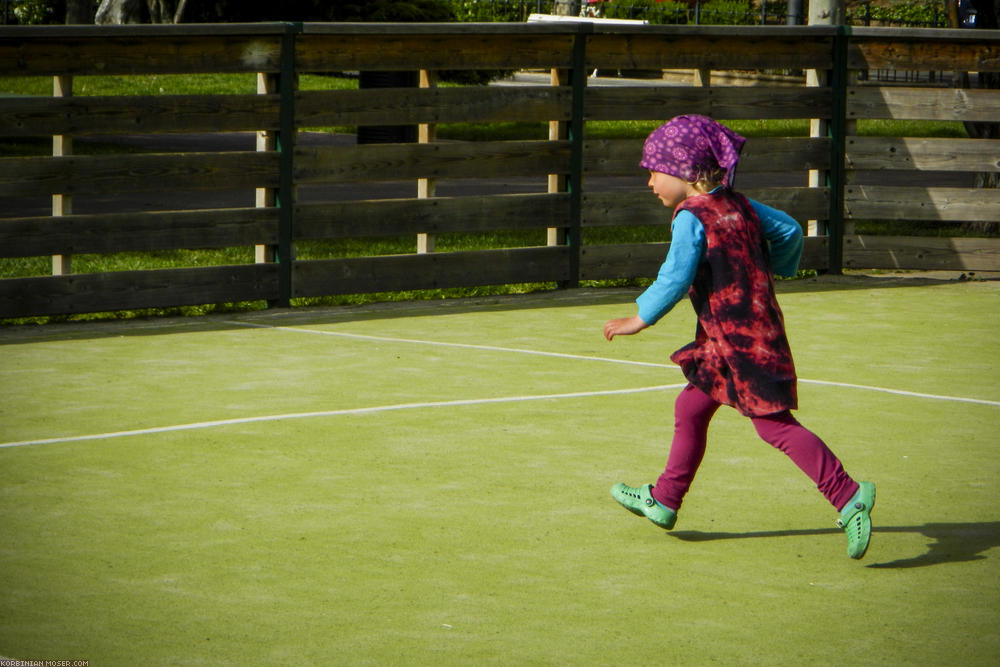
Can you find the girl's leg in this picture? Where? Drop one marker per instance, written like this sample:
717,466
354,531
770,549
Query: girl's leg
810,454
693,411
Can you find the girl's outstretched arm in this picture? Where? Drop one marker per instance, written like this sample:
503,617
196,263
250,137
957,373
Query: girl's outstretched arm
687,246
624,326
785,236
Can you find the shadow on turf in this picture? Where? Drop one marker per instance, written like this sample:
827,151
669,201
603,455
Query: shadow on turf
950,542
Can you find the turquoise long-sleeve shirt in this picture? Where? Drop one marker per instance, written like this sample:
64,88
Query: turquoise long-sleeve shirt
687,250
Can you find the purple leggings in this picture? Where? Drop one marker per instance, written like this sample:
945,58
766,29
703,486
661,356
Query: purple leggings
692,413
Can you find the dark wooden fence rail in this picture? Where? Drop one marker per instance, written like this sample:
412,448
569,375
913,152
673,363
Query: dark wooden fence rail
867,158
570,169
704,49
80,51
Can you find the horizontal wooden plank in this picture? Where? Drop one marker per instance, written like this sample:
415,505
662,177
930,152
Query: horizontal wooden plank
429,271
434,30
126,232
410,51
429,29
953,104
129,290
876,153
110,53
481,159
407,106
663,102
933,50
643,260
801,203
778,154
921,253
878,202
620,157
708,49
560,27
48,50
437,215
612,157
625,260
726,32
40,116
815,254
958,35
92,174
612,209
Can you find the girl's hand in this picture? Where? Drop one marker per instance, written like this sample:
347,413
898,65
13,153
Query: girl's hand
625,326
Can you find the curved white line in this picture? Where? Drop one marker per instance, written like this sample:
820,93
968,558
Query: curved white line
493,348
902,392
466,346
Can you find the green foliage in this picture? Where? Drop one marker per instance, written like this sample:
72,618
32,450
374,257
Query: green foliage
474,11
394,11
729,12
237,11
899,13
34,12
667,12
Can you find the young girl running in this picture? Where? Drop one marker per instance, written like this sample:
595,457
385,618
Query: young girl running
723,250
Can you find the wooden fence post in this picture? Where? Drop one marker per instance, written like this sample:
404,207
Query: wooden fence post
558,131
830,12
574,235
838,146
285,144
267,84
426,133
818,127
62,145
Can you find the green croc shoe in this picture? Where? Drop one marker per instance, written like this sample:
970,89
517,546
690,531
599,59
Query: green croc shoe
639,501
856,520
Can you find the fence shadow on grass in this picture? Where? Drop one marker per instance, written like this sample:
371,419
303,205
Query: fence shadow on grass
950,542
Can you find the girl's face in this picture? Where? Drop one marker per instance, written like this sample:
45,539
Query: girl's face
670,189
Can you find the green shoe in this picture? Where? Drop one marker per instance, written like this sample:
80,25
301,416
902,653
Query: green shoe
639,501
856,520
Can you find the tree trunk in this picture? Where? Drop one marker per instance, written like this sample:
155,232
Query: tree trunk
566,7
116,12
79,12
158,12
180,11
827,12
951,11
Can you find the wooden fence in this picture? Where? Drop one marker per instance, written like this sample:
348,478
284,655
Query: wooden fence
574,183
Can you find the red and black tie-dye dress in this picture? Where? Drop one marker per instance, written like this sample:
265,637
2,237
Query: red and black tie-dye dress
740,356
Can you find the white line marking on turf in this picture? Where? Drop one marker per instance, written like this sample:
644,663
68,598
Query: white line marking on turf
493,348
434,343
335,413
474,401
902,392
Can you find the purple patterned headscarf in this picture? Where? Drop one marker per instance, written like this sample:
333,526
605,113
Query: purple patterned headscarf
690,146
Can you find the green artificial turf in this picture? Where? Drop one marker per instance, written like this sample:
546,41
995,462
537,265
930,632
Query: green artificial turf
450,531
